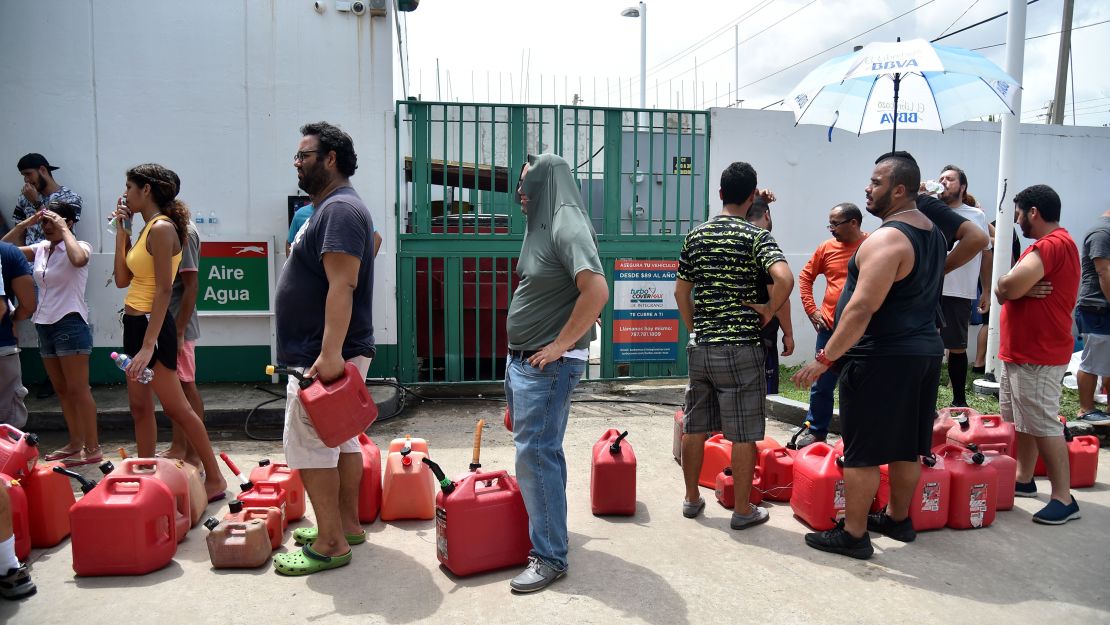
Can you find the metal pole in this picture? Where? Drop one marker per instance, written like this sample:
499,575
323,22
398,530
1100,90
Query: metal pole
1007,167
643,63
1062,65
736,31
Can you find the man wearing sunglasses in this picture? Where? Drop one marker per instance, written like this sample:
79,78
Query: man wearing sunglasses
829,260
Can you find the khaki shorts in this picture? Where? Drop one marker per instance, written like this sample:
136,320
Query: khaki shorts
303,447
1029,397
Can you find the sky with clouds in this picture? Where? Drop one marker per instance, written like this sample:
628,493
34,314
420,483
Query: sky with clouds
544,52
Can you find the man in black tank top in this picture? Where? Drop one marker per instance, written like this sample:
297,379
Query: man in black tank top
888,350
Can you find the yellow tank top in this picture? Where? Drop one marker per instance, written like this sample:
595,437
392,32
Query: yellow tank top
140,295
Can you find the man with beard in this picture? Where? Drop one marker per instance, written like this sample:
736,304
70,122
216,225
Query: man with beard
959,294
328,278
39,190
550,325
830,260
889,353
1035,348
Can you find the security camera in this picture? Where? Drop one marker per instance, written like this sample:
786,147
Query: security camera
358,8
319,7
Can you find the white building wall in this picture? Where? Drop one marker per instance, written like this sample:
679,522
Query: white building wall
216,91
810,175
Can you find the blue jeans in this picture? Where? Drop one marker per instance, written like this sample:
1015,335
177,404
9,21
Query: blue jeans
821,394
539,404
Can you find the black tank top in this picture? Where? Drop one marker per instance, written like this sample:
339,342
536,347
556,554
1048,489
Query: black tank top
905,323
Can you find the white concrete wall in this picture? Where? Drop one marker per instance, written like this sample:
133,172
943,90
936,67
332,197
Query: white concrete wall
215,90
810,175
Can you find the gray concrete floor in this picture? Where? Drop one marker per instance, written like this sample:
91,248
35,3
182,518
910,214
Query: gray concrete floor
656,567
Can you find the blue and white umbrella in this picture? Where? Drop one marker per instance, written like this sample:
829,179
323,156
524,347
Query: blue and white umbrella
911,85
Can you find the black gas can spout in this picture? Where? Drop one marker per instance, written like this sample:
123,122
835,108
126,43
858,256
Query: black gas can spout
302,380
447,485
265,462
211,523
615,448
86,485
962,421
930,460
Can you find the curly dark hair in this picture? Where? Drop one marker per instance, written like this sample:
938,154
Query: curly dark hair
164,187
332,139
1043,197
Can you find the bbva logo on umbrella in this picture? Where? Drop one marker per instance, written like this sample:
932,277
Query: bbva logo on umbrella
894,65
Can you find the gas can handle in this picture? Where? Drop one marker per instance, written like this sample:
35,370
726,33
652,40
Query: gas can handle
499,476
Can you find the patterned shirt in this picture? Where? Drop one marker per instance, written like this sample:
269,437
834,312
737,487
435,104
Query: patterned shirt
24,209
726,258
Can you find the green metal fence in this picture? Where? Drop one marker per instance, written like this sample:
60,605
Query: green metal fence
643,181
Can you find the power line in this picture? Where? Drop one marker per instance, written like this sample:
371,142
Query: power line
989,19
1075,28
960,17
731,49
813,56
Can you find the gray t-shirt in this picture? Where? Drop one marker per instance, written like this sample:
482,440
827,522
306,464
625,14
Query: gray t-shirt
190,261
1095,245
559,243
341,224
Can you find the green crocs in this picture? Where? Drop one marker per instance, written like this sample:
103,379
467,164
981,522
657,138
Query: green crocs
307,536
306,562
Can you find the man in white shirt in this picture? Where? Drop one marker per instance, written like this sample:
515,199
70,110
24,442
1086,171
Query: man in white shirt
960,285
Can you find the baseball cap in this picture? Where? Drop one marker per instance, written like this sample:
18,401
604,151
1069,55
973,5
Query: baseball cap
34,161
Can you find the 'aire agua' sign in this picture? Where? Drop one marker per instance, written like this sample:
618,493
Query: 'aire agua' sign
234,276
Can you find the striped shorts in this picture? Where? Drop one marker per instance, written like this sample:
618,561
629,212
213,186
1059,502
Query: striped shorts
726,392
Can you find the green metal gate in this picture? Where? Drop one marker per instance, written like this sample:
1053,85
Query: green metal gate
644,183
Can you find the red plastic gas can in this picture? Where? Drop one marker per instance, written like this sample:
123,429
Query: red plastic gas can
986,431
49,497
124,526
971,503
270,516
818,497
1083,459
944,422
726,488
290,482
18,451
482,528
776,470
17,499
267,495
408,487
370,488
929,505
1006,468
173,476
613,475
718,455
339,409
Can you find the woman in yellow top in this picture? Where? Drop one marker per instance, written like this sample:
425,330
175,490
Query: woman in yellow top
147,270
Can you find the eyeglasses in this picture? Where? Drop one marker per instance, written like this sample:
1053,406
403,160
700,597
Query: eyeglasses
301,154
836,224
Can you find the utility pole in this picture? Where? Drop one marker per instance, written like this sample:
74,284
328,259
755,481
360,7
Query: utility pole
1062,65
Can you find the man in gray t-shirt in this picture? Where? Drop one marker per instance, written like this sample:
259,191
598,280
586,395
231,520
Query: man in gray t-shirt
1092,317
550,325
183,300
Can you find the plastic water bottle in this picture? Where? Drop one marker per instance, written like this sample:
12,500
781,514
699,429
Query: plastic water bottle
932,187
116,222
123,360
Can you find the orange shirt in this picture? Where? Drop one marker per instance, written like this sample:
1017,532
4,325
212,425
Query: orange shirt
830,260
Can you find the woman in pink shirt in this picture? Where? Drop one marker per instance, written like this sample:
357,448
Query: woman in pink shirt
60,265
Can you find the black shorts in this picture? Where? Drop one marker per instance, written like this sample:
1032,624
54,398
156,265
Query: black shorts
887,406
957,316
165,347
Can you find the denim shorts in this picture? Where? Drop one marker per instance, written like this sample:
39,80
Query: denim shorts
68,336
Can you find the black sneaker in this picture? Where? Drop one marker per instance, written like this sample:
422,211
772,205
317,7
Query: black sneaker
882,523
838,540
16,583
1025,489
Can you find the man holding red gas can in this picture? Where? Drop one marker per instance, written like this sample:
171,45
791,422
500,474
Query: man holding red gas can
329,277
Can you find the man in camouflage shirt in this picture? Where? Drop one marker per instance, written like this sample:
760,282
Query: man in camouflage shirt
721,274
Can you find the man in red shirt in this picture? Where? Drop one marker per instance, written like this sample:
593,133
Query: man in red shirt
1036,346
830,260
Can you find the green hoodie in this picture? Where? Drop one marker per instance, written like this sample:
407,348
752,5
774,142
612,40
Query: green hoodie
559,243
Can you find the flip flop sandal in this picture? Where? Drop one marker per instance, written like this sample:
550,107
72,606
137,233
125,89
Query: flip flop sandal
306,562
60,454
307,536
